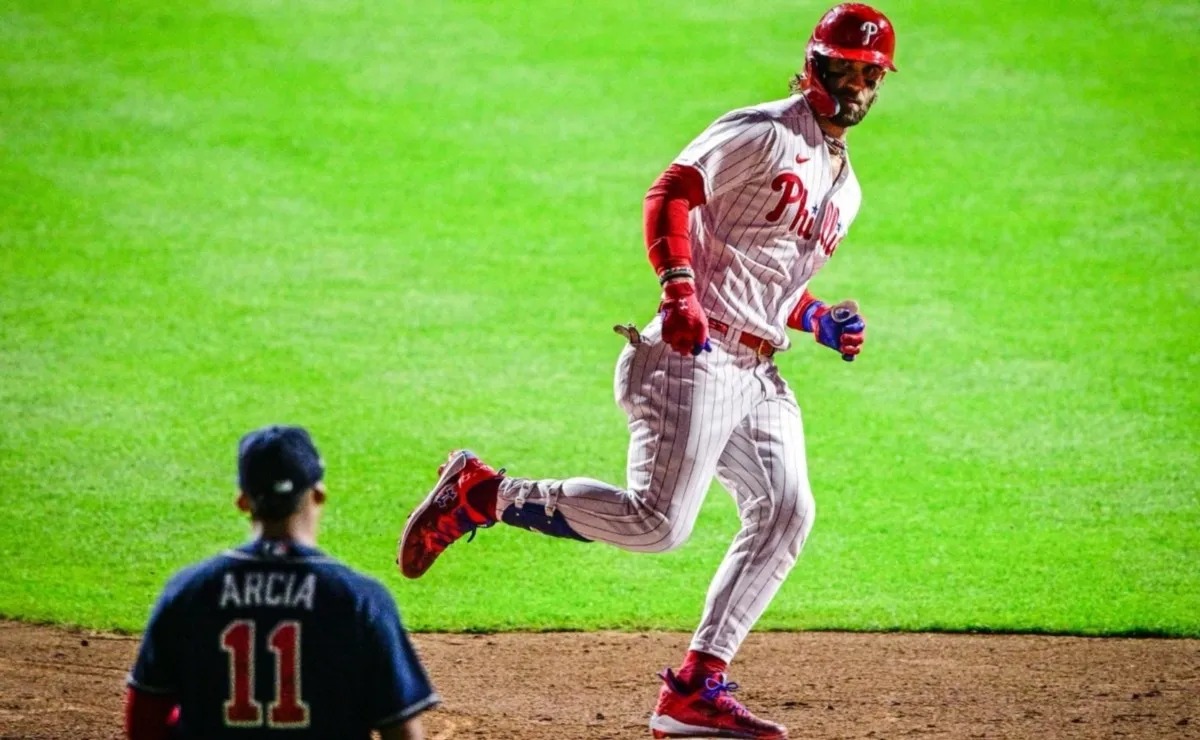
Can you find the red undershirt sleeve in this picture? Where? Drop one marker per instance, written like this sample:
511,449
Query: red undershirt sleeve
147,716
665,215
795,317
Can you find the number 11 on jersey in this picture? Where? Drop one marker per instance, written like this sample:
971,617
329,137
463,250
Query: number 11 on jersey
287,709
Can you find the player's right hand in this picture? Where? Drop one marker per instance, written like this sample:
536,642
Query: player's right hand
684,325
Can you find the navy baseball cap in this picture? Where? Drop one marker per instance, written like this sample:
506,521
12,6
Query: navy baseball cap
278,461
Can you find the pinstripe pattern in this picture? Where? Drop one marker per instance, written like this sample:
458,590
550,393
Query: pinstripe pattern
726,414
682,411
764,468
772,218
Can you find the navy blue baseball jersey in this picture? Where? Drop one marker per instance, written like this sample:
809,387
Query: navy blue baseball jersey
273,637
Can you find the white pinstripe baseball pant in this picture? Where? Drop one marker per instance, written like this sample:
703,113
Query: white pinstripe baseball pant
726,413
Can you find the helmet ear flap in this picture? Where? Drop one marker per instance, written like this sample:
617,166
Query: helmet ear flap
823,104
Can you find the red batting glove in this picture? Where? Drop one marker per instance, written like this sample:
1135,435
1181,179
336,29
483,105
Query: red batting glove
684,325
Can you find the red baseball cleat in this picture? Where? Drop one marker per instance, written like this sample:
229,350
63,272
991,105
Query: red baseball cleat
707,712
450,511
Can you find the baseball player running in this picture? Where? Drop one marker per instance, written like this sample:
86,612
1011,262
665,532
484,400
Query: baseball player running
736,228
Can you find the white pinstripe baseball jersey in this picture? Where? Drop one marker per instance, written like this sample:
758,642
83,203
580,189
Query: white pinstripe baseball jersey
772,217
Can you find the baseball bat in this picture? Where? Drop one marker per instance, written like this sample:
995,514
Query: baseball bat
843,312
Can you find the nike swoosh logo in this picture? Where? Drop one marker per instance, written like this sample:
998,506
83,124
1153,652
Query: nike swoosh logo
802,160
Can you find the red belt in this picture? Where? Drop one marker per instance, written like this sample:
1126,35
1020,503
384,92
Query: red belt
763,347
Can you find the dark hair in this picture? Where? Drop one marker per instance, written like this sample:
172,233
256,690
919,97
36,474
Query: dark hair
796,84
276,508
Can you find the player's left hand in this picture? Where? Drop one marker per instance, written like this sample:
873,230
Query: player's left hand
840,327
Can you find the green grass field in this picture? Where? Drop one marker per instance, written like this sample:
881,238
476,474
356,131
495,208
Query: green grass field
410,227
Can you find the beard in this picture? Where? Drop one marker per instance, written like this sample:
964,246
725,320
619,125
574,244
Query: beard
852,107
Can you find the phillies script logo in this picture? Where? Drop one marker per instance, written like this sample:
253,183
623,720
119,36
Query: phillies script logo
793,193
870,30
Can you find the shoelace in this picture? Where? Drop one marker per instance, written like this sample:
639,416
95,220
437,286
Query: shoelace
449,529
717,691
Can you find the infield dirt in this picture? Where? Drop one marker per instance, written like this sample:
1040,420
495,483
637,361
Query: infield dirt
59,684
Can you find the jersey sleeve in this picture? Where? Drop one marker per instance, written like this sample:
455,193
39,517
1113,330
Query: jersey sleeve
732,151
154,671
399,688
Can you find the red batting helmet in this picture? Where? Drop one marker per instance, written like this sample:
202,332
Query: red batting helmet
848,31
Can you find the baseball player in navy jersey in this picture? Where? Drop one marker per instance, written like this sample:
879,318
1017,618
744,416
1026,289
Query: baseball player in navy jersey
736,228
275,639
